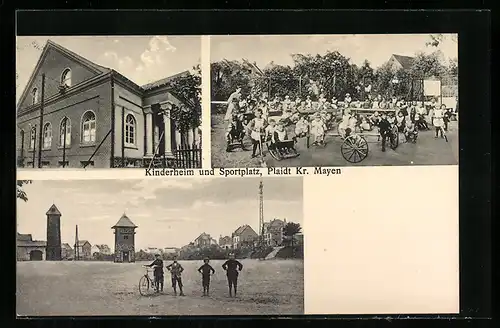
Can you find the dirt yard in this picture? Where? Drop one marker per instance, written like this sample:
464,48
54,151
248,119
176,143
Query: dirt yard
102,288
427,151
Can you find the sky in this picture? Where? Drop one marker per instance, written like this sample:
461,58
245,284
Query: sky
168,212
376,48
142,59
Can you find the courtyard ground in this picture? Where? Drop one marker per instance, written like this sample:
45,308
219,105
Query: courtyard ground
68,288
427,151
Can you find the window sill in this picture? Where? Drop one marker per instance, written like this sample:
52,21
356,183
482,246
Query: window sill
61,147
83,145
131,147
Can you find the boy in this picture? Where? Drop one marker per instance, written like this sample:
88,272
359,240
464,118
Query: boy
232,268
158,273
257,127
384,129
235,131
205,271
176,270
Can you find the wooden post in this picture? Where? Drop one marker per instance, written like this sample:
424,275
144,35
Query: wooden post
40,137
34,146
113,114
64,141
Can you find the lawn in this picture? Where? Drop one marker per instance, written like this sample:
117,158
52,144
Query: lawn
102,288
427,151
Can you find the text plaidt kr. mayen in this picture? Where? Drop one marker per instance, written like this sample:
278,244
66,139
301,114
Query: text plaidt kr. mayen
224,172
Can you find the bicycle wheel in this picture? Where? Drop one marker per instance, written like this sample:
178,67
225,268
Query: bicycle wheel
145,286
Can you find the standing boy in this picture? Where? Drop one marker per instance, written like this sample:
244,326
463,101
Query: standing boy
205,270
232,268
176,270
158,273
385,129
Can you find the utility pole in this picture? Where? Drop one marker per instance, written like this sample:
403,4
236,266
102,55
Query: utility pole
77,251
40,136
261,213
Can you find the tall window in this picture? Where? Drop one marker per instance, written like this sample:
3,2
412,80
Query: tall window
130,129
47,136
88,127
66,78
34,96
65,122
32,137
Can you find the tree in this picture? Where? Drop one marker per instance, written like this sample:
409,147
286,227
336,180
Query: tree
188,87
226,76
427,65
21,194
436,39
278,80
290,230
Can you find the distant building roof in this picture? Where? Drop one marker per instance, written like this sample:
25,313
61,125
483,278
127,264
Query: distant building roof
66,246
83,242
24,237
124,222
33,243
405,61
53,210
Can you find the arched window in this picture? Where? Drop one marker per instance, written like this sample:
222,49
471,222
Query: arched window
66,78
47,135
65,122
34,96
32,137
88,127
130,129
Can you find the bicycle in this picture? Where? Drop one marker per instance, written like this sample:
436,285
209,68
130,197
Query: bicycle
148,285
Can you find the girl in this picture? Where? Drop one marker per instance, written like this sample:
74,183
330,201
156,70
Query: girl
279,136
438,120
301,127
257,128
344,125
400,121
318,130
365,125
410,131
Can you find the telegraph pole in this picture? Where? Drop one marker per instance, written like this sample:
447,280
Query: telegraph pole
40,136
261,213
77,251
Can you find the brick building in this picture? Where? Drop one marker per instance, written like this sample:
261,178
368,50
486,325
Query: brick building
75,113
244,236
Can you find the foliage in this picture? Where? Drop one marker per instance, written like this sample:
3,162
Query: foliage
296,252
226,76
427,65
21,194
187,86
278,80
291,229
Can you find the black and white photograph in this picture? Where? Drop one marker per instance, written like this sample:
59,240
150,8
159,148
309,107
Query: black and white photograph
334,100
108,101
182,246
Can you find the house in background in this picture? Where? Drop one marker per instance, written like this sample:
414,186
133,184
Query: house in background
244,236
225,242
152,250
398,62
204,240
67,252
28,249
273,232
94,116
83,250
171,250
101,249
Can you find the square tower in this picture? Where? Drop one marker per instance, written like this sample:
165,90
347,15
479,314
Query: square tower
124,240
53,234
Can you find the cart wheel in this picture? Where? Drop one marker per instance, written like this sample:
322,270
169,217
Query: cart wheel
274,153
354,149
145,286
394,137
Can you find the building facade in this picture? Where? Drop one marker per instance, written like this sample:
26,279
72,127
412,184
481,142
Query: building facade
83,250
28,249
273,232
67,251
53,234
124,231
226,242
204,240
244,236
75,113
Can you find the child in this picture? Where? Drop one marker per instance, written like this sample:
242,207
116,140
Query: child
384,129
235,131
352,122
308,103
279,136
176,271
438,120
270,129
400,121
205,271
318,130
375,118
232,268
301,127
410,131
257,128
391,119
158,273
343,128
365,125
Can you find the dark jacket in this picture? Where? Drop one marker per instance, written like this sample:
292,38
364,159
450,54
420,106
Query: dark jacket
232,267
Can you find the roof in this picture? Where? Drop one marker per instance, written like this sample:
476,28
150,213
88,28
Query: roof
124,222
53,210
83,242
66,245
203,236
163,82
405,61
240,230
34,243
24,237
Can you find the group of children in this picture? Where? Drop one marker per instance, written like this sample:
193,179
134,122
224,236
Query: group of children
231,266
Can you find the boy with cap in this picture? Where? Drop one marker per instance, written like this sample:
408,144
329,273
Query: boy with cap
232,268
176,270
205,270
158,273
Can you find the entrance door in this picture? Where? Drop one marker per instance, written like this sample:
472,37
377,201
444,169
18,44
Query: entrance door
36,255
126,256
